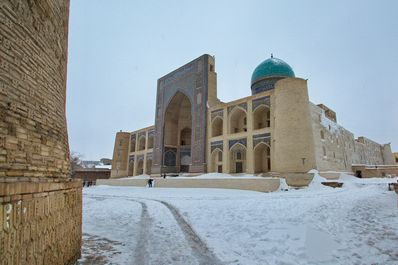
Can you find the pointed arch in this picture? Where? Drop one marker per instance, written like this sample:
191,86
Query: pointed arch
148,166
150,141
216,160
237,120
237,158
262,158
217,126
185,136
261,117
140,167
141,143
178,115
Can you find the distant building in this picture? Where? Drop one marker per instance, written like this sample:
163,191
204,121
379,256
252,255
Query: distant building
106,161
275,130
89,176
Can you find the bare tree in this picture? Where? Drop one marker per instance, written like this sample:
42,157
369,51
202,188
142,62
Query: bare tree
75,161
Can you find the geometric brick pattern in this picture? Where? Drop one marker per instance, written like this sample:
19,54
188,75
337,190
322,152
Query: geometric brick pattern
40,206
40,223
33,56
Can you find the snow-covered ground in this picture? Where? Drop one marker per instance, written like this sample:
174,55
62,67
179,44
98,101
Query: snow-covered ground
356,224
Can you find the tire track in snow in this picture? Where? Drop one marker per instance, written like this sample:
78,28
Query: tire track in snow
199,248
141,253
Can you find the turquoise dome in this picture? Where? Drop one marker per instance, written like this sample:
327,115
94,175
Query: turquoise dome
272,67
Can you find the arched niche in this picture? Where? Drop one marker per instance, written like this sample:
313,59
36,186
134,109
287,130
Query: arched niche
262,158
261,117
237,120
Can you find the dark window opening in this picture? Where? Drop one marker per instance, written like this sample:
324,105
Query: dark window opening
238,156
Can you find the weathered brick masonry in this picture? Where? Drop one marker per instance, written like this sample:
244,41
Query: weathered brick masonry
40,206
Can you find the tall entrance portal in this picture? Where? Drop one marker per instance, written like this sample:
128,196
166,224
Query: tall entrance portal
177,134
181,117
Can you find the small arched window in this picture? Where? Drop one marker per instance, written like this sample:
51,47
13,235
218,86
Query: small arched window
322,135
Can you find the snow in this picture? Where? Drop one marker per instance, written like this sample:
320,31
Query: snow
355,224
104,166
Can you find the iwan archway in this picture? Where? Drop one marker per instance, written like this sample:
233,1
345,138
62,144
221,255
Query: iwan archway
177,135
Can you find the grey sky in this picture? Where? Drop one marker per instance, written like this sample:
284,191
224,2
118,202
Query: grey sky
118,49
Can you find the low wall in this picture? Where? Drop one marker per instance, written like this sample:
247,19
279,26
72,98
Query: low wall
257,184
298,179
330,175
375,171
91,174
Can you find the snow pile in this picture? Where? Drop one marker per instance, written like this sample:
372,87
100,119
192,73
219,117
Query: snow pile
283,185
366,181
316,183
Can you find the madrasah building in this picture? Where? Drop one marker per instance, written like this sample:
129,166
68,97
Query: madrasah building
276,130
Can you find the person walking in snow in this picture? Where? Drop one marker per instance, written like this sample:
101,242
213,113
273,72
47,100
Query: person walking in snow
150,183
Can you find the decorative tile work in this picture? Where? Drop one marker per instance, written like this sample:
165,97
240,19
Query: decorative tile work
261,101
262,138
191,80
242,105
242,141
133,137
264,85
170,157
151,133
216,144
141,134
140,158
217,113
131,159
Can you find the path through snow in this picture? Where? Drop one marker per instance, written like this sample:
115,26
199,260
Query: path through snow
357,224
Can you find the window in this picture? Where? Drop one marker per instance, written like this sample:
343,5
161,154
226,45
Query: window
120,142
324,151
211,68
238,155
322,135
219,156
244,121
334,155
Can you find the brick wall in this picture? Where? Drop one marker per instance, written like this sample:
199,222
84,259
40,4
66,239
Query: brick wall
40,207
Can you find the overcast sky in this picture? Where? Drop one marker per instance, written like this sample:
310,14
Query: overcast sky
348,51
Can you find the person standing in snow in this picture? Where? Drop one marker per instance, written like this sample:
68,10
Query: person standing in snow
150,183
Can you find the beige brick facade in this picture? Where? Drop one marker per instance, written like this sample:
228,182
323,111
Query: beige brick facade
276,131
40,206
